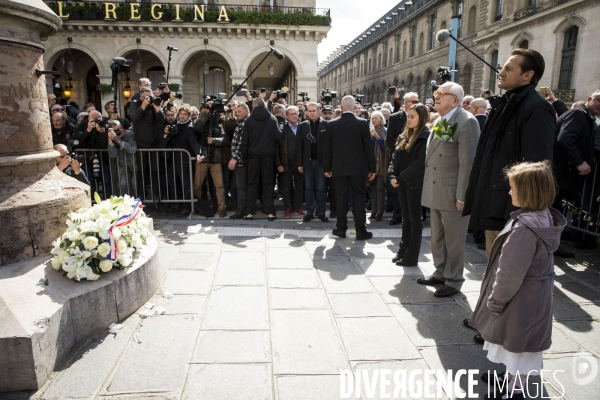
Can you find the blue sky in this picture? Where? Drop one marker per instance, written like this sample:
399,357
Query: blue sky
349,18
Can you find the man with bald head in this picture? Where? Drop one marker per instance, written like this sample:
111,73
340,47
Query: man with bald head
348,156
478,108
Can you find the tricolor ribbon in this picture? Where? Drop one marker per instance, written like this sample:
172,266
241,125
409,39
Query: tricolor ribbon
123,220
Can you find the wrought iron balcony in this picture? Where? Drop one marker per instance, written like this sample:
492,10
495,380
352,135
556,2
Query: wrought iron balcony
186,12
524,13
566,95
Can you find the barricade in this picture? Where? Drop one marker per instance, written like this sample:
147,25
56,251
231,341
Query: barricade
159,176
582,213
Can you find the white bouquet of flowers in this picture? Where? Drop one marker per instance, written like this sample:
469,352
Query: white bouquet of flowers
101,238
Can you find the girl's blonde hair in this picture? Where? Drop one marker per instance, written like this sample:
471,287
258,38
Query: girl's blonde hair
534,183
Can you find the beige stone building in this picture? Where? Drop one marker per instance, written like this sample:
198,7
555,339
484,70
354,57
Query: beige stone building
219,43
400,48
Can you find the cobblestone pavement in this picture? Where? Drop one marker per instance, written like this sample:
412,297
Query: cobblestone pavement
275,310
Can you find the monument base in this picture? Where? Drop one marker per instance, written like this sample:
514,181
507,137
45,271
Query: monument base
39,324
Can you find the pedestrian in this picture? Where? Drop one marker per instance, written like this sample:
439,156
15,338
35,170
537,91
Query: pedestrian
382,156
406,173
514,310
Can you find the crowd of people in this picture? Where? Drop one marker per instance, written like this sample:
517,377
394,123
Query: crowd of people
487,164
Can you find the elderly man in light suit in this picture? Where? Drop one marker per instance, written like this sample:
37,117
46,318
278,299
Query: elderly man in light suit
447,169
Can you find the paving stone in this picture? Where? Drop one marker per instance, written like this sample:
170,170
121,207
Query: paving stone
237,307
457,357
241,240
289,279
321,387
244,246
180,304
471,285
576,292
200,248
406,291
325,239
229,381
385,267
385,341
564,384
166,345
342,278
374,242
194,261
370,252
297,298
240,269
434,324
592,309
320,252
187,281
581,332
233,347
358,305
306,342
331,260
474,256
99,354
564,309
284,241
204,238
368,368
561,343
289,258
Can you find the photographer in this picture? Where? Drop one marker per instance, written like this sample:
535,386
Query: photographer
211,138
229,123
69,166
62,129
122,146
113,115
146,115
180,135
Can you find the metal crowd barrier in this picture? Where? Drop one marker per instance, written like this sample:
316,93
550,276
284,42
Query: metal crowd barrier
155,176
582,213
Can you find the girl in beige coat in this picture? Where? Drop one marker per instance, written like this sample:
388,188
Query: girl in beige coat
514,310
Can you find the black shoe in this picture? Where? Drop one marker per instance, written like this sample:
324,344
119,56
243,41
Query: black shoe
378,217
323,218
586,245
563,254
341,233
248,217
403,263
372,216
445,291
307,218
478,339
466,323
332,214
271,217
395,221
481,246
397,257
237,215
431,281
183,213
363,235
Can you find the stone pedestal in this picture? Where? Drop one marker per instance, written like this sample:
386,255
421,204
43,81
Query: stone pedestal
35,197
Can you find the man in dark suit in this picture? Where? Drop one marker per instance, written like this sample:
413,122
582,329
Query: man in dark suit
478,107
348,155
395,127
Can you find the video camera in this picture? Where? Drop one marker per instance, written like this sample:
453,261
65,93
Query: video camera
327,95
304,96
120,64
359,98
218,103
445,74
281,94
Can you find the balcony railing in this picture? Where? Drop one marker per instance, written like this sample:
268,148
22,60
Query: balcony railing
524,13
566,95
186,12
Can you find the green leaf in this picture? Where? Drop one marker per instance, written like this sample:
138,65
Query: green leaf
65,274
46,282
97,198
116,200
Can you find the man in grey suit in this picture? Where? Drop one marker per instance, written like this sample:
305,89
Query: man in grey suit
447,168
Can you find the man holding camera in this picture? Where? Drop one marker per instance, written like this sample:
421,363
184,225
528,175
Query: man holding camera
122,147
237,164
211,138
62,129
146,116
69,166
113,115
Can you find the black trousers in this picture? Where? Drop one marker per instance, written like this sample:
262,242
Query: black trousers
260,169
288,176
412,226
358,186
241,187
332,194
397,207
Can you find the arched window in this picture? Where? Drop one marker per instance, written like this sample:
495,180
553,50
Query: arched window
391,55
459,11
410,84
428,88
498,11
568,58
432,31
472,20
370,66
379,61
524,44
466,79
492,82
419,84
413,40
421,43
404,51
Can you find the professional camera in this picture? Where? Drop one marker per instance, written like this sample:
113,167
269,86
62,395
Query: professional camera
302,94
155,100
253,93
178,95
172,129
218,105
359,98
445,74
71,153
161,86
101,122
281,94
327,95
120,64
392,90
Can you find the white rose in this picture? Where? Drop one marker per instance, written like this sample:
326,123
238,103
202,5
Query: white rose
125,260
88,226
122,245
62,257
106,265
56,264
90,242
104,249
116,233
90,275
73,235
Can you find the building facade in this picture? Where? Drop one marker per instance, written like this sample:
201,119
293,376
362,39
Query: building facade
401,49
219,43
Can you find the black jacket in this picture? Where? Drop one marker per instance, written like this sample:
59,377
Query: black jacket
90,140
348,150
481,118
520,127
63,135
261,136
408,167
209,126
559,107
185,139
145,124
574,144
395,127
291,146
305,150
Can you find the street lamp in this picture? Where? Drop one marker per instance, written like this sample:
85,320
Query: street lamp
271,69
127,91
